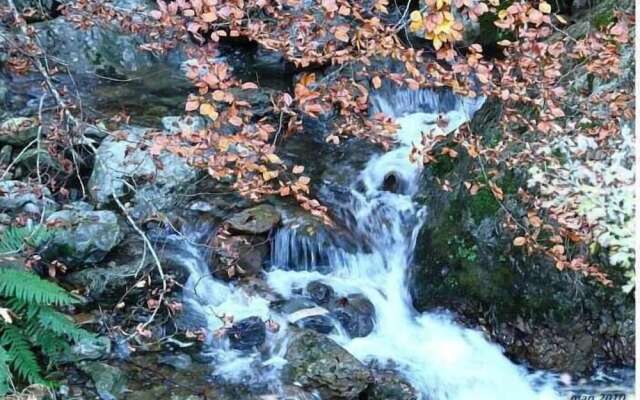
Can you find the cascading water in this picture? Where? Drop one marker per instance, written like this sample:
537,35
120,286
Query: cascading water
441,359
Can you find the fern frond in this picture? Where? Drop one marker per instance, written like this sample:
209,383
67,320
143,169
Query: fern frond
22,358
5,376
14,238
30,288
51,344
60,324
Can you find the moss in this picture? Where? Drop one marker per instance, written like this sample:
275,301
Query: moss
511,181
483,205
603,19
443,165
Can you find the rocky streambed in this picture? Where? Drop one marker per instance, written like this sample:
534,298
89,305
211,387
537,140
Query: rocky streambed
415,293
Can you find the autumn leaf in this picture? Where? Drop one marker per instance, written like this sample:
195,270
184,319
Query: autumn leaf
342,33
249,85
544,7
519,241
376,81
208,111
235,121
273,159
330,5
298,169
192,105
416,21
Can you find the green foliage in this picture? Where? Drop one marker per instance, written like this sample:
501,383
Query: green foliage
29,288
483,204
31,329
14,239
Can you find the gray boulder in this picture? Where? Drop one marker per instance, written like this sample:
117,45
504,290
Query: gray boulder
256,220
124,160
18,130
110,382
84,236
316,362
16,195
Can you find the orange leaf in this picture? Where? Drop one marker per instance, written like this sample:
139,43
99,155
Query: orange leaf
192,105
377,82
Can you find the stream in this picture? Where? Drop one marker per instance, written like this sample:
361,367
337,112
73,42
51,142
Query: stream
441,359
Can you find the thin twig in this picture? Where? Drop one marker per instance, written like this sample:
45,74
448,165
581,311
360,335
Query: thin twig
154,255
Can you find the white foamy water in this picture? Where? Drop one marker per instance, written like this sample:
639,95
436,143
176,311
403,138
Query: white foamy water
443,360
440,358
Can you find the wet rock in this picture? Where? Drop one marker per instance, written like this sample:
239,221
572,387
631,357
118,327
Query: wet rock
256,220
108,281
314,318
84,236
389,385
110,382
290,392
319,323
465,262
156,179
18,131
101,49
186,124
316,362
355,313
179,361
391,183
92,348
14,195
239,256
320,292
247,334
5,154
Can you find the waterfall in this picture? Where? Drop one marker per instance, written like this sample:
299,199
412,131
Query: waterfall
441,359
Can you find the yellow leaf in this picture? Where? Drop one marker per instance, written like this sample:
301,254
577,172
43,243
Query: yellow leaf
268,175
519,241
274,159
544,7
209,111
437,43
377,82
298,169
561,20
502,14
415,16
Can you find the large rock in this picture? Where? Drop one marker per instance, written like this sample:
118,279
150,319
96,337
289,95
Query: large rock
104,49
239,256
355,313
18,130
121,159
17,195
247,334
110,382
84,236
317,363
389,385
465,262
257,220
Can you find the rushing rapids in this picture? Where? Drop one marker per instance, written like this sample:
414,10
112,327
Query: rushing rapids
441,359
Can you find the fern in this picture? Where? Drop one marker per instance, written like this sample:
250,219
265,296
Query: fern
14,239
38,329
22,359
29,288
5,376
